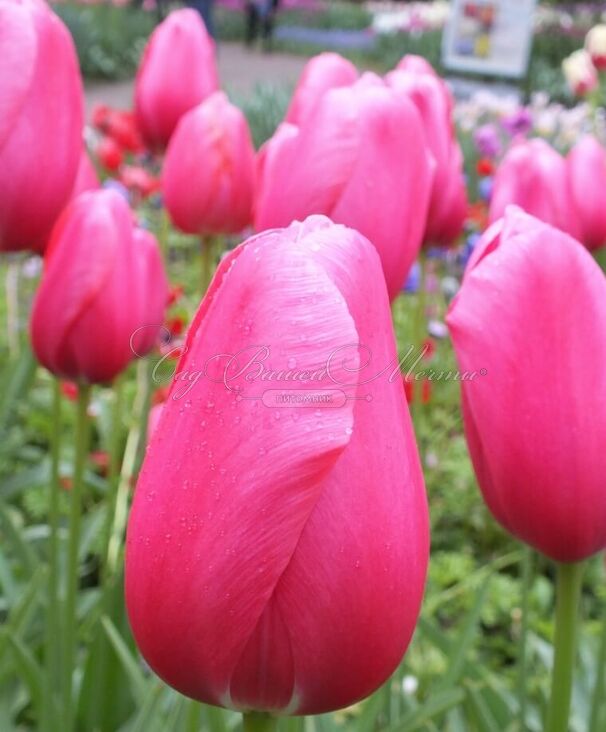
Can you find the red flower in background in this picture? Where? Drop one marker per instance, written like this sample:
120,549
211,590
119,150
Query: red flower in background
139,181
109,154
485,167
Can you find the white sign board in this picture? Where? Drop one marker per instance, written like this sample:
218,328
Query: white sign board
489,36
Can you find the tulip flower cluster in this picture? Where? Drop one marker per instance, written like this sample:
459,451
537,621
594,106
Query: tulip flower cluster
398,190
278,542
583,68
568,193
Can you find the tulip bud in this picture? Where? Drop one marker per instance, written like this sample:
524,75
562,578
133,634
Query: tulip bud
322,73
349,160
533,414
433,100
580,73
278,541
103,292
595,45
209,170
40,123
177,72
533,175
586,165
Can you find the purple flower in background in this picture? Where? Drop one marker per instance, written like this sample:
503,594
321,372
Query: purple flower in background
487,141
485,189
414,279
518,123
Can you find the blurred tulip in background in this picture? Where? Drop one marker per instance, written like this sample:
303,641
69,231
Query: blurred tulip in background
40,122
208,178
103,291
177,72
349,160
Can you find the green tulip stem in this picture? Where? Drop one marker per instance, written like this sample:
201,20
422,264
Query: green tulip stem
527,577
598,692
568,595
259,722
133,452
52,649
113,477
420,332
75,520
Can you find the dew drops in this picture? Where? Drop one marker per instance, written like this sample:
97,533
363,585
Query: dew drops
348,431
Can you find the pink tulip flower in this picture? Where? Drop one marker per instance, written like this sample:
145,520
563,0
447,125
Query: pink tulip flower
586,167
433,99
103,292
41,118
208,178
322,73
533,411
351,161
533,175
177,72
278,541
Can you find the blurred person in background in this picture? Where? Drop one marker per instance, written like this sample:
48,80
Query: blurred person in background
205,8
260,17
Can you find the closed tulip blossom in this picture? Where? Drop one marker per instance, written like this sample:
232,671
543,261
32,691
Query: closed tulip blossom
208,176
533,176
433,99
276,552
534,417
586,165
177,72
103,292
322,73
350,160
40,122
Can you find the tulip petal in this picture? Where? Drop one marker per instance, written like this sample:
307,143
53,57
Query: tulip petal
17,63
